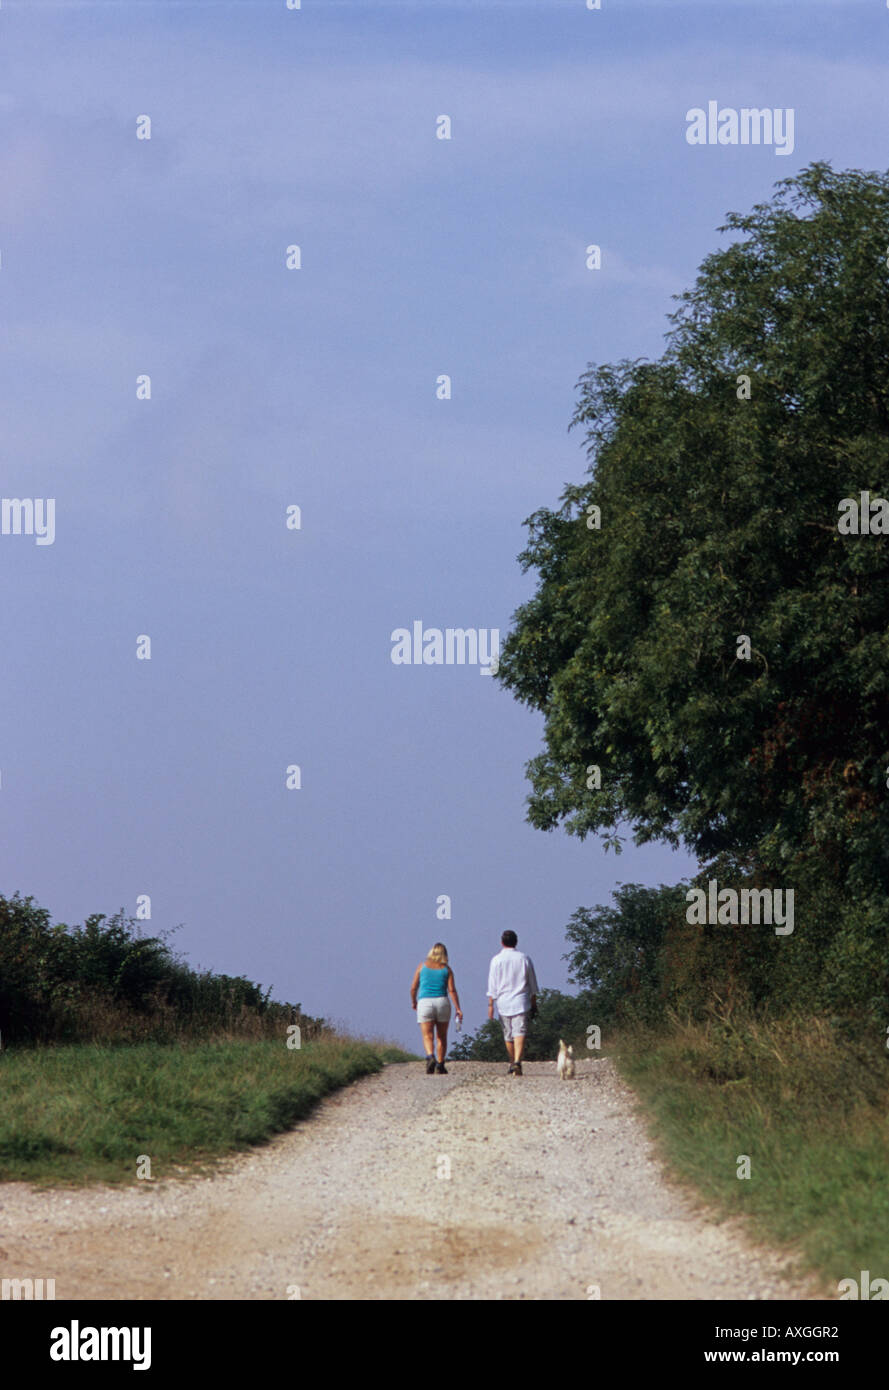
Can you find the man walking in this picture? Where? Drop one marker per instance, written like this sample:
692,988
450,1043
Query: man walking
512,985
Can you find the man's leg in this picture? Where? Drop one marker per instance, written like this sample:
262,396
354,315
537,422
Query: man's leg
507,1038
519,1024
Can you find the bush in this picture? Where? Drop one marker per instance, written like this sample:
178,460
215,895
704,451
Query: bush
103,982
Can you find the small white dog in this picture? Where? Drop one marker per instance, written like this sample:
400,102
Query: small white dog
566,1061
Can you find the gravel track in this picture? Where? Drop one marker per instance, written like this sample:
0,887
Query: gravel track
553,1193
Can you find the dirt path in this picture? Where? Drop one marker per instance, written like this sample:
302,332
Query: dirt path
552,1192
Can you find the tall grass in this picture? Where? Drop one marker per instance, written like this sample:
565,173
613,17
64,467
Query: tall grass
806,1099
87,1112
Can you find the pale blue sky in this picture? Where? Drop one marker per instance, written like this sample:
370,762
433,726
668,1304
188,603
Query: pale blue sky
317,387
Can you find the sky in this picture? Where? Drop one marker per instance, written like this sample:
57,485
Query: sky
319,387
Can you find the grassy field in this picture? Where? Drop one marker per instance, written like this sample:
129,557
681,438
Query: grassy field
85,1113
808,1106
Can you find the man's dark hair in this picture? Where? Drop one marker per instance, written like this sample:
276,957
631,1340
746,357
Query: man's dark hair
508,938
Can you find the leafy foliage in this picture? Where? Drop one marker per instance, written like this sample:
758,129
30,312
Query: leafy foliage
617,953
103,981
719,519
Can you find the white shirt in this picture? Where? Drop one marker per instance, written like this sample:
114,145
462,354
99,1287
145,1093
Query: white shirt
511,982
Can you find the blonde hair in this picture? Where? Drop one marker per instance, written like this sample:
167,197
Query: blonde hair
438,955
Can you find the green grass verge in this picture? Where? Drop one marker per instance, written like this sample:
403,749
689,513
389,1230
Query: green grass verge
84,1113
806,1105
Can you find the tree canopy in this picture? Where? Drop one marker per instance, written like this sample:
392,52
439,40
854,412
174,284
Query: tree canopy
719,471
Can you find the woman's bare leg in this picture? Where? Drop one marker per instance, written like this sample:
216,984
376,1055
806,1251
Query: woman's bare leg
442,1031
428,1038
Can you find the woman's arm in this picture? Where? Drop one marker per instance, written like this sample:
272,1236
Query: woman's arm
452,991
415,985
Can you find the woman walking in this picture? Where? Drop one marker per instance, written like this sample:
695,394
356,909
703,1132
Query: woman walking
432,983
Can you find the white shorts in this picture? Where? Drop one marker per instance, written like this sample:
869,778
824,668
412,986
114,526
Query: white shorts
514,1026
435,1010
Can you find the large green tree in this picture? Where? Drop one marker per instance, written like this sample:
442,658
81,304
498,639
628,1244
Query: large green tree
719,470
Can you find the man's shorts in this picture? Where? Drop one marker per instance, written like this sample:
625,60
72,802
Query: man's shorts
514,1026
435,1010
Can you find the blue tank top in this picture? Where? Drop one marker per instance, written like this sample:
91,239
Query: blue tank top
433,983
